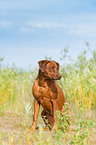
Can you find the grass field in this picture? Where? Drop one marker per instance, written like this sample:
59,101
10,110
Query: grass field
16,104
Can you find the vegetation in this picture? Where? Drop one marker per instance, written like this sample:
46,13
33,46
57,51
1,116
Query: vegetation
16,104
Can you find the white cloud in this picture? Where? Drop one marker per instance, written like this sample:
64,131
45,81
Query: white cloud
48,25
33,25
26,29
83,30
5,24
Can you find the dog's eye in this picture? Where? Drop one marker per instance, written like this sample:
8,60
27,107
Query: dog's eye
52,68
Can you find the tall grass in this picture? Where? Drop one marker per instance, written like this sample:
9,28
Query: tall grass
79,81
16,101
15,88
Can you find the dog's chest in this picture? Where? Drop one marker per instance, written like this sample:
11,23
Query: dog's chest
48,90
47,95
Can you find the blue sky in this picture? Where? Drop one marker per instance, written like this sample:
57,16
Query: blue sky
31,30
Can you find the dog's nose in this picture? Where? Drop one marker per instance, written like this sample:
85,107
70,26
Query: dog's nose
59,76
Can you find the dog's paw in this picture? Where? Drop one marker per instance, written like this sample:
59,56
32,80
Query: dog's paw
54,128
32,129
46,128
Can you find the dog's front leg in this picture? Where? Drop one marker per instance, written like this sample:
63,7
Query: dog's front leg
55,108
36,111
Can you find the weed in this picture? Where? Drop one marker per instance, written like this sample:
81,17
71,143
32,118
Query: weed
63,119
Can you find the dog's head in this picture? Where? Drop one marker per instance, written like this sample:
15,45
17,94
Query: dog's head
50,69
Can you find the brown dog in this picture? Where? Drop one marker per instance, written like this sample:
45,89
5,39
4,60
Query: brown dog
47,92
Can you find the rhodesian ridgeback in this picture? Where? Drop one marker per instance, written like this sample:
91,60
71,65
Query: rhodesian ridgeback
47,93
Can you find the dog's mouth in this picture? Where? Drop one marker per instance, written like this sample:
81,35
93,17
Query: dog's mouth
58,77
55,77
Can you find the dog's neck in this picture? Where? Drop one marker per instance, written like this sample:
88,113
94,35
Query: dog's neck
42,78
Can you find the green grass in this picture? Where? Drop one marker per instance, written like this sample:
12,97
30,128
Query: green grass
17,103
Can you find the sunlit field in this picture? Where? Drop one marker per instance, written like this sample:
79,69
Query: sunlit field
78,83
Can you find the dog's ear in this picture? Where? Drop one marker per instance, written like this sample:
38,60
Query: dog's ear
57,65
42,64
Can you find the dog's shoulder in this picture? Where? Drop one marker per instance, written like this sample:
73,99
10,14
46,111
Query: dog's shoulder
35,88
38,90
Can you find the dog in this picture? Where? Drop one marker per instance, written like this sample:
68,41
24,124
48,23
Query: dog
47,93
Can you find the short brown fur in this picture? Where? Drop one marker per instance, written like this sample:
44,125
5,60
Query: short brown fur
47,93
